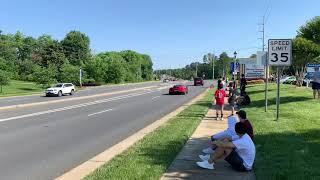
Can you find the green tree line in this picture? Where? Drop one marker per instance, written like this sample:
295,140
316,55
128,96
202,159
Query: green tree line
46,60
220,63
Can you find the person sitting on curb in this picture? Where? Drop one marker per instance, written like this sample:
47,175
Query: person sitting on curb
230,134
240,153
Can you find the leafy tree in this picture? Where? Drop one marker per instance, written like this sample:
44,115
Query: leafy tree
253,56
146,68
133,60
96,68
69,73
223,64
45,76
26,69
304,52
311,30
52,54
76,46
4,79
116,71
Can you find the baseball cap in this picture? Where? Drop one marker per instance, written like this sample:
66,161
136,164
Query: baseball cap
242,114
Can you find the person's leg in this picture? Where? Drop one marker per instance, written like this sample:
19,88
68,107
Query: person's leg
217,111
219,154
232,109
222,106
314,93
318,93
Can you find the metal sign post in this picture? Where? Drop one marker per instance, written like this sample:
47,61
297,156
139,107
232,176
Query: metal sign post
279,54
278,91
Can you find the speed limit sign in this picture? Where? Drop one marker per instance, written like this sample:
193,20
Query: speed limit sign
280,52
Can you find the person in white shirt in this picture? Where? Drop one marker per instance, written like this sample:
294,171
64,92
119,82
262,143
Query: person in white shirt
224,84
240,153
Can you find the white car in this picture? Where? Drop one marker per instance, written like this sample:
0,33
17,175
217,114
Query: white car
285,79
61,89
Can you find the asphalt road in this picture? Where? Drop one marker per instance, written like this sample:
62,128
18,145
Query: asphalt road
43,142
9,101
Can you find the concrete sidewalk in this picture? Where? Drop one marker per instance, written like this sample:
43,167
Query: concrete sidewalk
184,166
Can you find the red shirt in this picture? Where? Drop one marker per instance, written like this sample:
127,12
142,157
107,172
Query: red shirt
220,94
248,127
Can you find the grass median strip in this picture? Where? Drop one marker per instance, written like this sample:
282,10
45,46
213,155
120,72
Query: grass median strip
20,88
150,157
287,148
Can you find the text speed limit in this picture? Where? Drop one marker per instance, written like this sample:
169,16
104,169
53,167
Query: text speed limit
280,52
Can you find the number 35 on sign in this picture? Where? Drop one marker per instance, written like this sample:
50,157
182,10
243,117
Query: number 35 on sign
279,52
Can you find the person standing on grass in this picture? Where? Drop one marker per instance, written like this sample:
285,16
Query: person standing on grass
232,97
316,82
220,94
240,153
224,83
243,84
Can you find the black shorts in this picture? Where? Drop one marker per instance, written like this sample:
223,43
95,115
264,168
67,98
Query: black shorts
315,85
235,161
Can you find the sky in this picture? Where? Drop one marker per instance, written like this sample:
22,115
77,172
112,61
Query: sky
173,32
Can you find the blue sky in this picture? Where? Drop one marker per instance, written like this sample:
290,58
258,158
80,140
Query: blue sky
173,32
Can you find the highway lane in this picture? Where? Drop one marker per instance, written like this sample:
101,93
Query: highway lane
47,145
9,101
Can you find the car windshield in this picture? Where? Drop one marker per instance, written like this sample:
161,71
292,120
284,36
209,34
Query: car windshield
177,86
58,85
197,79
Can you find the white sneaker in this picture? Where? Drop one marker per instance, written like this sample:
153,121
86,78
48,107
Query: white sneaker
208,150
205,165
204,157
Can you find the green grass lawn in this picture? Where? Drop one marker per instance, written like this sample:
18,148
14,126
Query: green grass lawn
18,88
290,147
150,157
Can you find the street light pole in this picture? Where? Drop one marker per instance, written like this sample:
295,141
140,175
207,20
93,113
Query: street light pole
234,67
212,58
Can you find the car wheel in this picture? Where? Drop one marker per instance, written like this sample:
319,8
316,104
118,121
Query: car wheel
72,92
47,95
59,93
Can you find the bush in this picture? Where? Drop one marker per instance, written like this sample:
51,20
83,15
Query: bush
90,82
258,81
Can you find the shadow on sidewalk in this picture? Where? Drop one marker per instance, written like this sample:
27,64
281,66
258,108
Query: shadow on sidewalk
185,167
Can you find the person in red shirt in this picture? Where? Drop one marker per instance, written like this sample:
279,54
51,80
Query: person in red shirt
220,94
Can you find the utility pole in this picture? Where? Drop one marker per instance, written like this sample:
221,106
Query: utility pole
266,67
80,76
196,69
212,59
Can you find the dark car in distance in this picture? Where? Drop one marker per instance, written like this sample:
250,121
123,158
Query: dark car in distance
198,81
178,89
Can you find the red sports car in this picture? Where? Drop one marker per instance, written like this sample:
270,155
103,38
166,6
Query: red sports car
178,89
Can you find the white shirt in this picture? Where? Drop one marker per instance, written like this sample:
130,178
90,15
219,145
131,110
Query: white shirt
223,85
246,150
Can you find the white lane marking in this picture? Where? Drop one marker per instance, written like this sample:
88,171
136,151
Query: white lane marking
12,100
155,97
99,112
75,106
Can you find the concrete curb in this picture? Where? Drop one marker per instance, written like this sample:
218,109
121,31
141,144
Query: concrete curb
89,166
72,99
